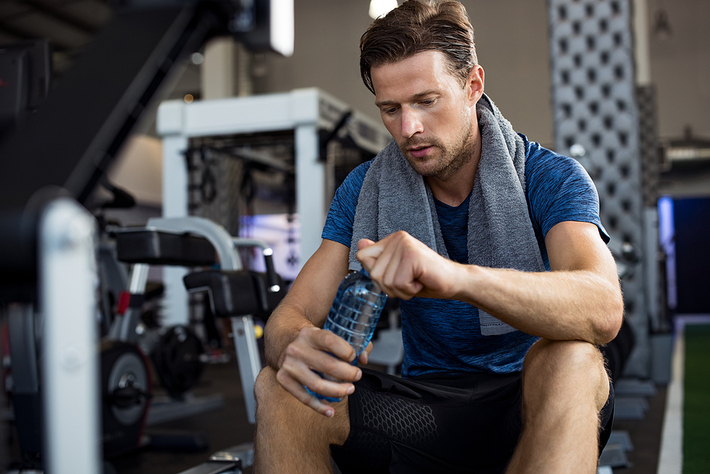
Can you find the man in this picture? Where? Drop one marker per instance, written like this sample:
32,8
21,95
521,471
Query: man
461,218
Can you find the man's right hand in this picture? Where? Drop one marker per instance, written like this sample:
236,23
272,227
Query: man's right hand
311,350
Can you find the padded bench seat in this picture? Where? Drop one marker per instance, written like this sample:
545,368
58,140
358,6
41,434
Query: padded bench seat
154,247
236,292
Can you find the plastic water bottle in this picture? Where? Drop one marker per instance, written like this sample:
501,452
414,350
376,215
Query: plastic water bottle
354,314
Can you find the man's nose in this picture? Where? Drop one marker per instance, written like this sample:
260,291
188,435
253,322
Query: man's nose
411,122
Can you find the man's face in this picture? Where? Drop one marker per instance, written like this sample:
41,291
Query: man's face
428,112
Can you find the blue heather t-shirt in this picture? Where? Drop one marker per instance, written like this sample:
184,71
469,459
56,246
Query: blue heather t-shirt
444,336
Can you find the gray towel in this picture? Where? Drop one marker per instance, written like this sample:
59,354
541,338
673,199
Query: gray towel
500,235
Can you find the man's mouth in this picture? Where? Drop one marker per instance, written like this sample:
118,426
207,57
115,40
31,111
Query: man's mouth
419,151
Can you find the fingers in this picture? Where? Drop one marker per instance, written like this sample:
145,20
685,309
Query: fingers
298,390
394,263
368,252
365,355
311,351
363,243
405,267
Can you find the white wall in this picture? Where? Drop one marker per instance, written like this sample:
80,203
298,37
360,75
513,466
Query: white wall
680,67
326,52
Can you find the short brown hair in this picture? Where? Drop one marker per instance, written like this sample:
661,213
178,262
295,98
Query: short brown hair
416,26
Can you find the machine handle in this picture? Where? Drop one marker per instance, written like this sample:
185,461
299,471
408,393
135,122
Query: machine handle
272,279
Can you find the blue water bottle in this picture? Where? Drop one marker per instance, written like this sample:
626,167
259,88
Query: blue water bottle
354,314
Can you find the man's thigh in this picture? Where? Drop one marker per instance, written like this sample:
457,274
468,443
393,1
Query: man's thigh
468,423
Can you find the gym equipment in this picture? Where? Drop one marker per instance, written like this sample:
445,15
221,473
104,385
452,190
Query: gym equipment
226,461
160,232
47,240
307,118
177,360
68,420
176,352
126,392
234,293
26,67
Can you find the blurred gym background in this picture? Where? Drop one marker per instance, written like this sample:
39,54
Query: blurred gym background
621,85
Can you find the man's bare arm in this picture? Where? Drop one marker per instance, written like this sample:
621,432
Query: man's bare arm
580,299
295,344
307,302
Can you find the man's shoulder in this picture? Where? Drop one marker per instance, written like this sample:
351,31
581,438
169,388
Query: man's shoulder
354,179
339,222
537,155
544,164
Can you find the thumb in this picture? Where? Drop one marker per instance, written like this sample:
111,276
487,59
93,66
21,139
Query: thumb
364,243
367,253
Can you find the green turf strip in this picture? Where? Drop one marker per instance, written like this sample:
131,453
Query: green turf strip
696,407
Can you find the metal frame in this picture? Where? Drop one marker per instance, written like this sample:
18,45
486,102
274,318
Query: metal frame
70,369
306,111
243,327
245,343
48,243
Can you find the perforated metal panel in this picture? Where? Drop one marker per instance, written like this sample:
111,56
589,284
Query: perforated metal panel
214,183
648,135
594,103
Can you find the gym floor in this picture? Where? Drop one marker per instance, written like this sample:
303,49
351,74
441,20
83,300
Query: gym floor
228,426
222,428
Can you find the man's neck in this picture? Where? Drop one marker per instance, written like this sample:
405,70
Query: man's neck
454,189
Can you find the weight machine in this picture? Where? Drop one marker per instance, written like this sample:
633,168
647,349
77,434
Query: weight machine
314,117
51,164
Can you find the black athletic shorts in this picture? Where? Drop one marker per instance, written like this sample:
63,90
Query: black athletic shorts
456,424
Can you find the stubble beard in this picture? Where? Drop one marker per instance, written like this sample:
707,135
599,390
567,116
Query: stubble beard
452,158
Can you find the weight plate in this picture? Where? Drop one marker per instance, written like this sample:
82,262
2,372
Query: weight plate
177,360
128,370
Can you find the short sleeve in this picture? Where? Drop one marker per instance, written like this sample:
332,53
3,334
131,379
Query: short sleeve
559,189
341,215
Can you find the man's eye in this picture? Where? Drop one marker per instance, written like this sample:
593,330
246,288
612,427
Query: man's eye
428,101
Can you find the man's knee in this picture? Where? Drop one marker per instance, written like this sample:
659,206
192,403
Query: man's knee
273,403
266,387
277,408
265,381
553,357
556,364
269,395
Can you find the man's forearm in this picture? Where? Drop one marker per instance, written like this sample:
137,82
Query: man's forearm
308,300
558,305
281,329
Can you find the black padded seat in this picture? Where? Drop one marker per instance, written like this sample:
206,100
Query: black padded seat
155,247
236,292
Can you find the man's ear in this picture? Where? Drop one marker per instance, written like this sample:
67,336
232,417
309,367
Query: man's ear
475,84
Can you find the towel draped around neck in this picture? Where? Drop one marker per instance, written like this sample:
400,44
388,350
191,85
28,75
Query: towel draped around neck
394,197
